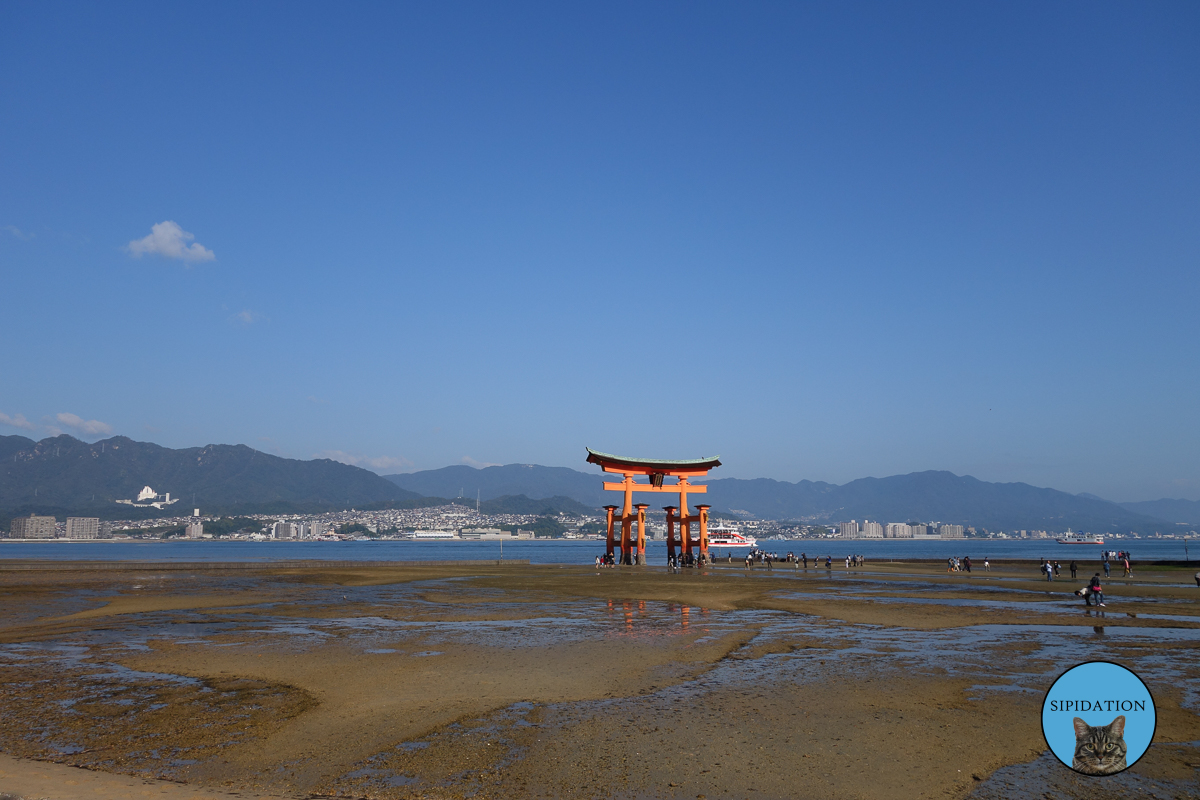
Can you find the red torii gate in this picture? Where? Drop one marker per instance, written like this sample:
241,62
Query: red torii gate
655,470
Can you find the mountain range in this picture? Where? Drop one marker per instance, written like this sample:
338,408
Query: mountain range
62,474
919,496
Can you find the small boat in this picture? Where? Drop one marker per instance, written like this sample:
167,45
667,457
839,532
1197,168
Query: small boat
1079,538
723,536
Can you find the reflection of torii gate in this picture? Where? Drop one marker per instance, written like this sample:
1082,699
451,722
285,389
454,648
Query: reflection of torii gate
656,470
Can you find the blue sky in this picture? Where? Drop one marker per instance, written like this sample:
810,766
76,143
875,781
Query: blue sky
823,241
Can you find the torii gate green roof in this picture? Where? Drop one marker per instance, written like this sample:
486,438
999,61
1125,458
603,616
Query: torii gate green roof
665,465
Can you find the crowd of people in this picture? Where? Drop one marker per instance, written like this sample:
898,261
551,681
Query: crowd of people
689,560
1052,569
1094,589
768,559
1117,555
955,564
674,563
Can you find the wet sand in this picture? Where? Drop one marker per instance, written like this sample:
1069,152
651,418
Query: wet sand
397,681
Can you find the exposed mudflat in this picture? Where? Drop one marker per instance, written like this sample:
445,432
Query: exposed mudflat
385,681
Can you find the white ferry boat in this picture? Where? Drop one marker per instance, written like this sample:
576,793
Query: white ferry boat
423,536
724,536
1079,538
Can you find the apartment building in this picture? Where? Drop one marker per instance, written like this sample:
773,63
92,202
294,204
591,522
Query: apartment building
32,527
950,531
83,527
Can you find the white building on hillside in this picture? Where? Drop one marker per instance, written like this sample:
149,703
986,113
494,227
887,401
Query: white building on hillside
148,498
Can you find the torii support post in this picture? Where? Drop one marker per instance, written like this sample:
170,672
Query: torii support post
610,510
641,533
704,530
670,530
627,523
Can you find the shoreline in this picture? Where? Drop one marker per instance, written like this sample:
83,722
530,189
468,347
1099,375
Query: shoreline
781,566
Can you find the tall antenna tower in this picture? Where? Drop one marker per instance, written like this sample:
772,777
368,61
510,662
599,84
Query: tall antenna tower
476,501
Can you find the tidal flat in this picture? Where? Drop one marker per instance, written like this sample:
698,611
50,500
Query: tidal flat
465,681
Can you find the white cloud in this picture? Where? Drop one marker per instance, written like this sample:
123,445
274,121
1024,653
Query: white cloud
470,462
167,239
376,464
17,232
91,427
247,317
16,421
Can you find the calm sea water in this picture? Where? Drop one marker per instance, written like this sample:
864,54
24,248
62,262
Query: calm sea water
577,552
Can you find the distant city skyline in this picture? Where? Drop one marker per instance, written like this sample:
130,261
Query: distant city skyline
823,242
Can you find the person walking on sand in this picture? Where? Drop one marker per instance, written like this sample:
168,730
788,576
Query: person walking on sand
1097,589
1074,567
828,562
1105,562
1057,567
967,563
1128,571
1049,571
805,557
987,565
1198,580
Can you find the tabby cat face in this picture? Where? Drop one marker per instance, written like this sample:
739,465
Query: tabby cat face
1099,750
